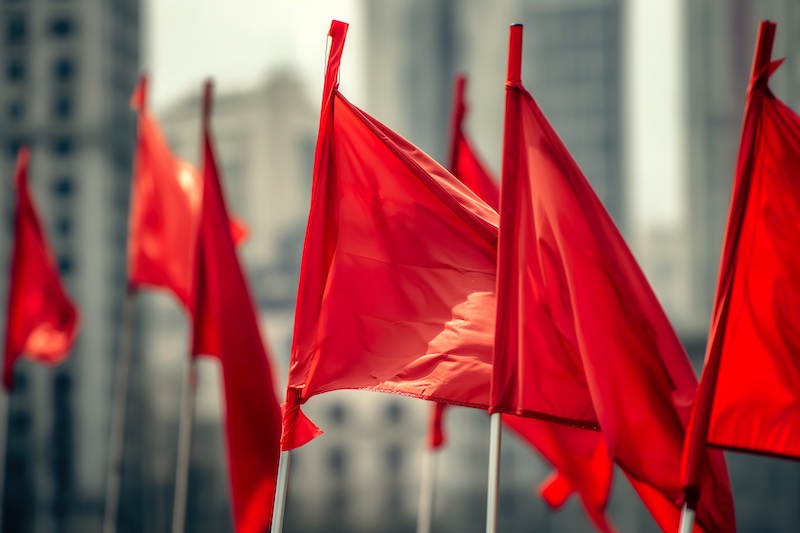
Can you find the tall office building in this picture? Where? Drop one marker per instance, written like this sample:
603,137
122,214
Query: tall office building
572,66
719,43
66,72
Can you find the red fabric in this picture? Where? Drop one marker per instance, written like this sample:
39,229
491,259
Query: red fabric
580,458
581,461
398,273
750,390
165,210
42,321
226,327
464,161
597,349
436,434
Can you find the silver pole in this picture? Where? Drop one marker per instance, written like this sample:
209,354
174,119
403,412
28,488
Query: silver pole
494,473
427,491
184,448
5,405
281,489
687,519
117,443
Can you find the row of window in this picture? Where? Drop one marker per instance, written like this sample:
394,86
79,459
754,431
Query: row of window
393,413
62,70
16,30
61,147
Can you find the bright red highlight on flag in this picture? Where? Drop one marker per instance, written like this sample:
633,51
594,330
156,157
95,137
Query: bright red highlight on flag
165,211
750,390
398,273
581,338
226,327
42,321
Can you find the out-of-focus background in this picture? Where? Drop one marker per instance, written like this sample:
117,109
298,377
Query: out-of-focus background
647,94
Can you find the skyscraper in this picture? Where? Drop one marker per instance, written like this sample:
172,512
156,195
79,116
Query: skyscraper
67,71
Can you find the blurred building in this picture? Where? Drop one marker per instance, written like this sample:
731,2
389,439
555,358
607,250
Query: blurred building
67,70
265,138
571,65
718,51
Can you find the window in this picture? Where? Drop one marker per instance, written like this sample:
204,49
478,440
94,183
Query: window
65,265
394,412
63,187
15,30
63,227
337,461
394,458
13,147
15,111
15,71
337,414
62,27
62,146
63,69
62,107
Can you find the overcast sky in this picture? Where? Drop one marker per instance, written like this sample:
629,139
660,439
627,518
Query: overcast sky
239,41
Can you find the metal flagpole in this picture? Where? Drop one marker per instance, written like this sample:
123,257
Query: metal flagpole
5,406
687,519
117,442
281,489
494,473
427,491
184,447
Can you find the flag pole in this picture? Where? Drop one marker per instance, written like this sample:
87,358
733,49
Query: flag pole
687,519
184,447
5,407
117,442
427,491
281,488
494,473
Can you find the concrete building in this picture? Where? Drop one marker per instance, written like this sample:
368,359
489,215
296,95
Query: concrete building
67,70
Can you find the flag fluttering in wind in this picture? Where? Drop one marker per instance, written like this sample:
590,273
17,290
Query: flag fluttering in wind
581,338
398,273
226,327
165,211
749,395
42,321
580,458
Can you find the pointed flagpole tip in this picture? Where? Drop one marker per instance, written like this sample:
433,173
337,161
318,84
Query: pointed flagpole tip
208,90
764,43
21,174
514,73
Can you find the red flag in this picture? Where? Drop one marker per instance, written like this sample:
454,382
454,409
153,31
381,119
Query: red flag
226,327
42,321
398,273
580,458
597,349
464,161
750,391
165,210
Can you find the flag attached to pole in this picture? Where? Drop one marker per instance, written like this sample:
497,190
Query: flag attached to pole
165,210
749,395
581,338
42,321
580,458
226,327
398,272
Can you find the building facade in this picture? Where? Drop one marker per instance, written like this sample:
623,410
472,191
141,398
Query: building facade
66,72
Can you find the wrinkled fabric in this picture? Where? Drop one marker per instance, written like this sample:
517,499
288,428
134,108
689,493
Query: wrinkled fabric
42,321
581,338
749,396
165,211
580,458
226,327
397,280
